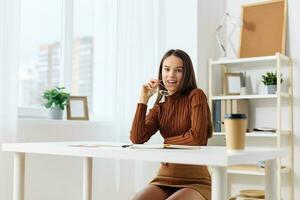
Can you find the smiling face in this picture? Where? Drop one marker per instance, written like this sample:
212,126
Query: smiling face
172,73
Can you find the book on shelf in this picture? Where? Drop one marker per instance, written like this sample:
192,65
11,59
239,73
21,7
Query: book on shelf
263,132
249,194
229,106
265,129
245,198
217,115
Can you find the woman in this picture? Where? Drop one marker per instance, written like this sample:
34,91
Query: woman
182,116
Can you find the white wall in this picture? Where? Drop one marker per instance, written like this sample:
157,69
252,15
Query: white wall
190,26
209,15
9,45
180,26
293,50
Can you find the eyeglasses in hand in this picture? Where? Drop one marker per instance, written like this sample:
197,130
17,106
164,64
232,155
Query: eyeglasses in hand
163,92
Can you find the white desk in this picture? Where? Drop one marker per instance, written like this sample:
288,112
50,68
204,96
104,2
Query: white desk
215,157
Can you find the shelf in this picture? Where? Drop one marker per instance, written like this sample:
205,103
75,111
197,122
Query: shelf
285,170
255,66
251,170
253,96
250,134
246,170
266,96
257,134
263,60
286,132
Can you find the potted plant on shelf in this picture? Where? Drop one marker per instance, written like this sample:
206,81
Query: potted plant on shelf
270,80
56,100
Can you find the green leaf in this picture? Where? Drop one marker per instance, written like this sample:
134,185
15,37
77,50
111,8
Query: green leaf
270,78
56,97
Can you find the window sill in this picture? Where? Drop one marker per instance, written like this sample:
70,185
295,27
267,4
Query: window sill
61,122
40,116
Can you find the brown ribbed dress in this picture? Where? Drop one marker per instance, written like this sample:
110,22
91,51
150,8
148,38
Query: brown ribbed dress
181,119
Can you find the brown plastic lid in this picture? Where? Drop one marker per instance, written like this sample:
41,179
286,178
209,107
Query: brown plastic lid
235,116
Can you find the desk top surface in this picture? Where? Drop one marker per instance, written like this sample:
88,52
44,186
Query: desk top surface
206,155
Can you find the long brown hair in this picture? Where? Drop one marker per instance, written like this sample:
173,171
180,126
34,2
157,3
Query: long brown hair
189,80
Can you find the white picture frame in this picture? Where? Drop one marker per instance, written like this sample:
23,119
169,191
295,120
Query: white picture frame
232,83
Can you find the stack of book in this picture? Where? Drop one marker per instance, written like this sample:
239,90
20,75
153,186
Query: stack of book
249,195
222,107
264,129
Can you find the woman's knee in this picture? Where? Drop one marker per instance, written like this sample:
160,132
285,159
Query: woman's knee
186,194
152,192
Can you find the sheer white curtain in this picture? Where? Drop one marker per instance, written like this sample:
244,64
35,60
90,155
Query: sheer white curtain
9,30
131,36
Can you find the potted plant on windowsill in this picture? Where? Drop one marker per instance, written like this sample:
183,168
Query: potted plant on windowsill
270,80
56,100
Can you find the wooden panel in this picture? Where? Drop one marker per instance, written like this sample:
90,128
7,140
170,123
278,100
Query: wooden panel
264,26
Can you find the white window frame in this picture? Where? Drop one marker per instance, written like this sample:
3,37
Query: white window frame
66,60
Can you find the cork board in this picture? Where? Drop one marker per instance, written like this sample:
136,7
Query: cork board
264,27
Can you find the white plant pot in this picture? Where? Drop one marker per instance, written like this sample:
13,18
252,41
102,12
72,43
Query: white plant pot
55,113
272,89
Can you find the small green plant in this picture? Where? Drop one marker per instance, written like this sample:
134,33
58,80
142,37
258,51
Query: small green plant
56,97
270,78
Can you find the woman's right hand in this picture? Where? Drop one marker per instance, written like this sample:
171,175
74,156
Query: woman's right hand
148,90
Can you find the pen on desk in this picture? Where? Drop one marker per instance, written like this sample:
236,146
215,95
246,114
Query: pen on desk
126,145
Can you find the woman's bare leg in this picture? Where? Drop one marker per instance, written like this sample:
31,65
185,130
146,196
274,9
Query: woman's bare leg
152,192
186,194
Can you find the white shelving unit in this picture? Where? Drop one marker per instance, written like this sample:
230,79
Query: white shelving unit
277,61
257,134
252,170
263,96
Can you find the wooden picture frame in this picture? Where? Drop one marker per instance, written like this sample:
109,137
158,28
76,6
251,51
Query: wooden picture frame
264,28
232,83
77,108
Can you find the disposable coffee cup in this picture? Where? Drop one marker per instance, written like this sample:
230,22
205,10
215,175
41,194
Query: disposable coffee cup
235,129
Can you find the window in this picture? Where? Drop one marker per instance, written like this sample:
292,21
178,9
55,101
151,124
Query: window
94,48
93,62
83,50
41,63
40,51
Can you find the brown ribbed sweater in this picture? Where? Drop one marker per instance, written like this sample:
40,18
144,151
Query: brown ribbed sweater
181,119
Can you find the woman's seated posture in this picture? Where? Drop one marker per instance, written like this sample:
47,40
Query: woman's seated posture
182,116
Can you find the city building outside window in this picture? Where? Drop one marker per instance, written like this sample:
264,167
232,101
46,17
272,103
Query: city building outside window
41,65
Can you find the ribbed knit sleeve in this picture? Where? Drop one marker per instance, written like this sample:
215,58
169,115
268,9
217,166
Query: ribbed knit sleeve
198,133
143,127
